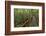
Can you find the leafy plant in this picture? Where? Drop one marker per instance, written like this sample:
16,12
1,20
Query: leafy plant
26,17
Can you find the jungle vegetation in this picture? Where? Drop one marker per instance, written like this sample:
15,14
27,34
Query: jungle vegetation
26,17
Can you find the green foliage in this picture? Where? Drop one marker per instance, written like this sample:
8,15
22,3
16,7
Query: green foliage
21,15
